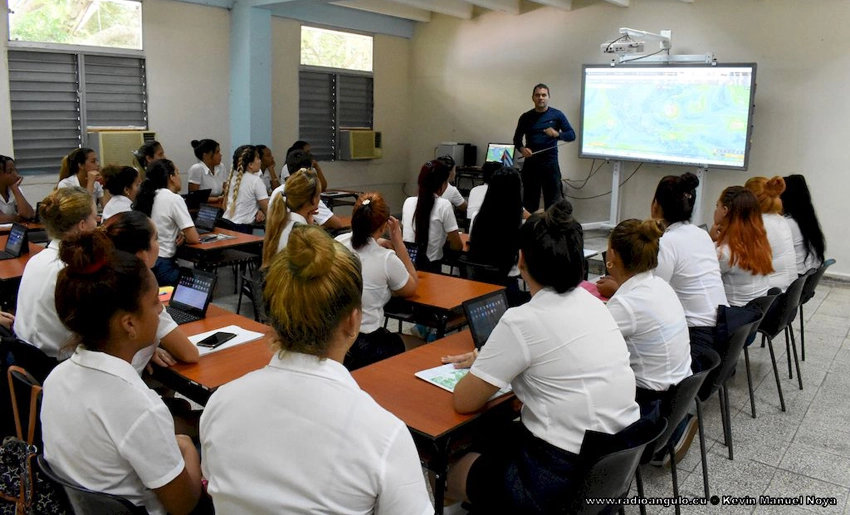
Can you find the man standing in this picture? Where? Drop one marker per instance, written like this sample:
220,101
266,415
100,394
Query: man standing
543,127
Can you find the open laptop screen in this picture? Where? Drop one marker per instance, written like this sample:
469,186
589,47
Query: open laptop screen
17,235
500,153
483,313
207,217
193,291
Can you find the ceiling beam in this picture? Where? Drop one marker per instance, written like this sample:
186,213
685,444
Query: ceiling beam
564,5
455,8
387,8
506,6
621,3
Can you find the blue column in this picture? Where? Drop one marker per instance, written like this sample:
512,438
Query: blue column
250,77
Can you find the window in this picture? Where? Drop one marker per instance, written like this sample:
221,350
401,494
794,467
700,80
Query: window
336,87
102,23
57,96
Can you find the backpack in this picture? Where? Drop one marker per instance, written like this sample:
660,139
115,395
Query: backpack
24,489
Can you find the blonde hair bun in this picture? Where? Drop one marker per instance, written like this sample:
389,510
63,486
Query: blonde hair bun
311,253
651,230
774,186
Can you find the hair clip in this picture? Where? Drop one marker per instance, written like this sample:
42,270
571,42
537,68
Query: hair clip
688,196
366,202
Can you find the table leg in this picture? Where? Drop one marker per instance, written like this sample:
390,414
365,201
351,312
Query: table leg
440,468
443,320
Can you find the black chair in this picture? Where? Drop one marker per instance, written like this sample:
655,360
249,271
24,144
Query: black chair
778,320
16,374
806,296
15,352
84,501
764,304
253,282
734,326
480,272
675,408
609,475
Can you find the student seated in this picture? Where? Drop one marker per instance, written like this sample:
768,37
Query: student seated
477,194
742,246
149,152
687,258
428,220
103,428
387,271
208,173
13,205
267,168
647,311
65,213
298,207
565,359
302,160
452,194
81,168
809,242
135,233
245,196
299,436
122,182
768,193
158,198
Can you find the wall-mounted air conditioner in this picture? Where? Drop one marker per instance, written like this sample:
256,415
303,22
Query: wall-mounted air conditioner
356,144
117,147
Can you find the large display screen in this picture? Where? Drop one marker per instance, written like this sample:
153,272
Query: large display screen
677,114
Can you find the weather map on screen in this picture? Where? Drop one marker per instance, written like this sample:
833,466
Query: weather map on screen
700,115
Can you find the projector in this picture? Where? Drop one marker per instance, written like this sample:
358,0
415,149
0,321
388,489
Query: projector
622,47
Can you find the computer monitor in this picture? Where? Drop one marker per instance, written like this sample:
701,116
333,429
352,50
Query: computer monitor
500,153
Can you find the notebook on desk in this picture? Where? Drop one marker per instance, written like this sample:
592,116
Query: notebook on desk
16,244
191,296
208,216
500,153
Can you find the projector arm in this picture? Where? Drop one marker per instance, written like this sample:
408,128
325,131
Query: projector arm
663,38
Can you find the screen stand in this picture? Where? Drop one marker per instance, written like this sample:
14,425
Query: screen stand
696,217
614,214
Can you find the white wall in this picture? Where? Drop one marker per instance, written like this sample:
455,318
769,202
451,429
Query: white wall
470,80
392,101
5,118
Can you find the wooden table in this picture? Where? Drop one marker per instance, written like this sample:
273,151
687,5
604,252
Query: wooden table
206,255
337,198
11,271
198,381
31,226
427,409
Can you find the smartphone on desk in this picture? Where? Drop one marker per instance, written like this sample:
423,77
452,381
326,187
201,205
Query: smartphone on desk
215,340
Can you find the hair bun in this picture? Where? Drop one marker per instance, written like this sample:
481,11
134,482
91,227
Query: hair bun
195,143
311,252
774,186
86,253
651,230
558,214
689,181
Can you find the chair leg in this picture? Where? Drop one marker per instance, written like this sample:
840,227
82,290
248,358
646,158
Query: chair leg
639,481
750,381
796,361
728,419
763,337
776,373
702,451
788,352
802,336
672,452
722,417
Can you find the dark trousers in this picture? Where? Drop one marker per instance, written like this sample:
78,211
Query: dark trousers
372,347
537,176
166,271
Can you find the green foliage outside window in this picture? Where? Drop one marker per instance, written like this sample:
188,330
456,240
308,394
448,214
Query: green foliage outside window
334,49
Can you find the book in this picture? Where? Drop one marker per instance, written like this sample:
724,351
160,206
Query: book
447,377
242,336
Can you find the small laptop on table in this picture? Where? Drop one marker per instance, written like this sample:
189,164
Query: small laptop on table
191,296
483,313
208,216
16,244
194,199
500,153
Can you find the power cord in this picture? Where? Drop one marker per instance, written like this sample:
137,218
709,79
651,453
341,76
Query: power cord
609,191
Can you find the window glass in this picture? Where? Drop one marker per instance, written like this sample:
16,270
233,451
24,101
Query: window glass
334,49
101,23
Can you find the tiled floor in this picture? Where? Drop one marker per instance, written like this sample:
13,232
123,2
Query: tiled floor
804,451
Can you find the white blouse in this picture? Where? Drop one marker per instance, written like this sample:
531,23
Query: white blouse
782,247
441,223
171,216
251,192
117,204
653,323
741,286
200,174
72,181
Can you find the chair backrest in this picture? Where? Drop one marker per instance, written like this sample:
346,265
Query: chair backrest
17,352
86,501
814,280
681,396
785,308
256,280
16,374
480,272
610,476
729,352
764,304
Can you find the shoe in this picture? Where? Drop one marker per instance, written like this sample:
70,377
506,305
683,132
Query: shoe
683,436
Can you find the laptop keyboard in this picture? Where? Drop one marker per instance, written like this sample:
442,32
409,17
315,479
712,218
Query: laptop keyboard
180,317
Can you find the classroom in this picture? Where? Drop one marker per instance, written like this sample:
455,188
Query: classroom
458,71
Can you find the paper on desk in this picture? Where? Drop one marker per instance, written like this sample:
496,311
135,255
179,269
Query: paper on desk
242,336
447,377
211,237
5,226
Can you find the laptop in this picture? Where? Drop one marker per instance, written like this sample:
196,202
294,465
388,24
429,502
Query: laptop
500,153
483,313
16,244
208,216
191,296
194,199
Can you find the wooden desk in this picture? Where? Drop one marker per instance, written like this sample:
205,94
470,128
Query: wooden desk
197,381
205,255
427,409
11,269
337,198
31,226
447,292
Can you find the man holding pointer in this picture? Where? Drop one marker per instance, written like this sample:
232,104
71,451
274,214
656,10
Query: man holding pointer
543,127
